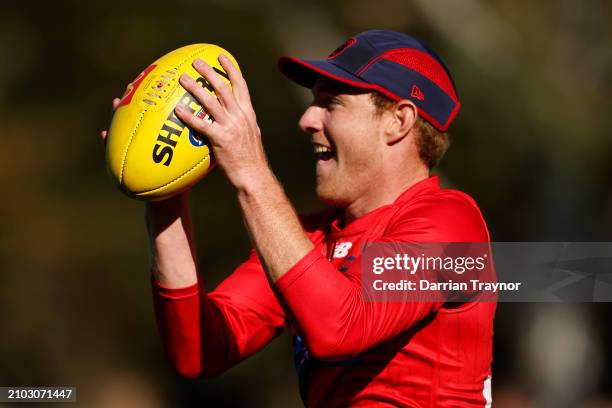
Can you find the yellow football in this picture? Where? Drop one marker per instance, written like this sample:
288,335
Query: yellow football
150,153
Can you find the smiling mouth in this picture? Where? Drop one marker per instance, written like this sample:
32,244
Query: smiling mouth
324,153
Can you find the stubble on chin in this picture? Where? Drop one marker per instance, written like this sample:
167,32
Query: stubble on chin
330,194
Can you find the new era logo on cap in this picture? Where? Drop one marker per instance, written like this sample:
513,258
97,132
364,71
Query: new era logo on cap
417,93
392,63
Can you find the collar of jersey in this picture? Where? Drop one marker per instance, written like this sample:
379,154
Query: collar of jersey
364,222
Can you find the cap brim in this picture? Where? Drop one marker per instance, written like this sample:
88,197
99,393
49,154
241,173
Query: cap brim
306,72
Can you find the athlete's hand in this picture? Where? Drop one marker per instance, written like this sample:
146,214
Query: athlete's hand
234,134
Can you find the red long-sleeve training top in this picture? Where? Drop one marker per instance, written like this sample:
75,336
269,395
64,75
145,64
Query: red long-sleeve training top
347,351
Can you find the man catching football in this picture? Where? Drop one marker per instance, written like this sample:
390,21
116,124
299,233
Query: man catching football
381,104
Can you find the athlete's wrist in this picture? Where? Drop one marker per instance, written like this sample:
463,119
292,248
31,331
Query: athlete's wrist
160,215
173,205
256,181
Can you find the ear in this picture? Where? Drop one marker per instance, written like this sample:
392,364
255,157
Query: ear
401,121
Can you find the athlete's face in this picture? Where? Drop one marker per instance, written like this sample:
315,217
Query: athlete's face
346,137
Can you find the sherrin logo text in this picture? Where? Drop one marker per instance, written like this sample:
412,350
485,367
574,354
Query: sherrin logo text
173,127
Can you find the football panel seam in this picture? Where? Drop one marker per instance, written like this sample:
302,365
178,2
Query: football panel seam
127,147
196,52
176,179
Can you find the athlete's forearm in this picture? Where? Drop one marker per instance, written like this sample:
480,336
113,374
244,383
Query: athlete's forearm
205,333
173,258
272,223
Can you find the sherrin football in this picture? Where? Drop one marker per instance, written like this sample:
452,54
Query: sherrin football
150,152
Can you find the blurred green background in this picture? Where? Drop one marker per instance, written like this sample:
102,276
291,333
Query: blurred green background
532,144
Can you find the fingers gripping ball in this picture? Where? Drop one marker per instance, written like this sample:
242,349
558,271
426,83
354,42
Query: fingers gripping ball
150,152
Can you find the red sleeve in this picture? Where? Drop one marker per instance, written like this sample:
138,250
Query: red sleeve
326,305
204,334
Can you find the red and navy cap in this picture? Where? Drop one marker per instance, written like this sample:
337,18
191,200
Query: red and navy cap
392,63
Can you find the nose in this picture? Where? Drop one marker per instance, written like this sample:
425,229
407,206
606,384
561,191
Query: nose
311,120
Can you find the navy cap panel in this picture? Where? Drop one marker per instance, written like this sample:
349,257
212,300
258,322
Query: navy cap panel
305,72
386,40
369,45
400,80
355,56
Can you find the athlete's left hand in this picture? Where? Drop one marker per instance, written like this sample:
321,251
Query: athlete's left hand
234,134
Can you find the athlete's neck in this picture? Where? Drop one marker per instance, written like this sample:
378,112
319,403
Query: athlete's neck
382,194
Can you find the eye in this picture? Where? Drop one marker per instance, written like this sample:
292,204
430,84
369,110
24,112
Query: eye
327,100
332,102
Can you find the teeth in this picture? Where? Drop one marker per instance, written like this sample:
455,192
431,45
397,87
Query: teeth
322,149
